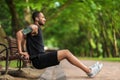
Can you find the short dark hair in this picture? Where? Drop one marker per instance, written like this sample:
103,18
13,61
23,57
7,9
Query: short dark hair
35,14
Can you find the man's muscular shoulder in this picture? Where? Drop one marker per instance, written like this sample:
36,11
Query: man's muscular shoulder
34,29
33,26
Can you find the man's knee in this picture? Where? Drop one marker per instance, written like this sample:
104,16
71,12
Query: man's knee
62,54
66,52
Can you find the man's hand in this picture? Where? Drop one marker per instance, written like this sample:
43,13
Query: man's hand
25,55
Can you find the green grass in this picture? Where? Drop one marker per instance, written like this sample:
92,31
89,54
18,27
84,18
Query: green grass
11,63
14,62
101,59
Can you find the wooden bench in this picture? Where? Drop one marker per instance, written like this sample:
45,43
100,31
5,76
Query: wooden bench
50,73
11,53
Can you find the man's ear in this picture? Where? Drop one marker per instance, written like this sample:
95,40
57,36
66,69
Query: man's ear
36,19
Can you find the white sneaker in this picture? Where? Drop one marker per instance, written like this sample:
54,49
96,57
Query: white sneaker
96,64
95,69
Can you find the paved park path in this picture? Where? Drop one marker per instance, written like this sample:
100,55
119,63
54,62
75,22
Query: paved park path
110,71
66,71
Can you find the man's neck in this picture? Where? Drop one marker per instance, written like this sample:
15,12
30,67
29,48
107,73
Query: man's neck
37,24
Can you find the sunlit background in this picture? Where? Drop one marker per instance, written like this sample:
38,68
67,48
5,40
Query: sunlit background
88,28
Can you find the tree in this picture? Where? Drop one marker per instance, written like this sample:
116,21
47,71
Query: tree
91,26
15,19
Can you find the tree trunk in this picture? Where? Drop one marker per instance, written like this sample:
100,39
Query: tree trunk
106,52
15,19
115,53
27,14
105,47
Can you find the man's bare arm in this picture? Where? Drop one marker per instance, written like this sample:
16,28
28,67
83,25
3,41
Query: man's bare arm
20,38
20,35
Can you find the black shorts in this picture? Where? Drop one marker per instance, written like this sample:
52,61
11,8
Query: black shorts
45,60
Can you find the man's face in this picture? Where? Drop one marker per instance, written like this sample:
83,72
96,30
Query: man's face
41,19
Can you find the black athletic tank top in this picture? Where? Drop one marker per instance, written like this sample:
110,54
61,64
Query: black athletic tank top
35,44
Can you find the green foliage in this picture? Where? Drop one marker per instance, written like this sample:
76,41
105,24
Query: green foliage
100,59
5,17
85,27
11,63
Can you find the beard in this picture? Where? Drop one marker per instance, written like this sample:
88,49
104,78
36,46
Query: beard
41,24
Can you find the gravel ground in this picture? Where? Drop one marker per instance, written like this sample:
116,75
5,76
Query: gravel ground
110,71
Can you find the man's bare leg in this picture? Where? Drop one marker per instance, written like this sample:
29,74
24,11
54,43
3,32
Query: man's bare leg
66,54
